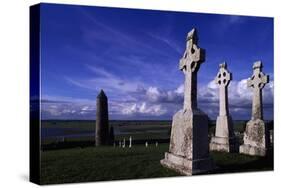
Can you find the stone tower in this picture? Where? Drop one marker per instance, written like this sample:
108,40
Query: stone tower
102,127
189,147
224,139
256,135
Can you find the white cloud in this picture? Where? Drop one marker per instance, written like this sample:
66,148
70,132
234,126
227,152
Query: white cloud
153,93
85,108
180,89
143,108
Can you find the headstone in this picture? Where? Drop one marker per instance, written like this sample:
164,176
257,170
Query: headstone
102,132
189,147
124,143
146,144
120,144
156,144
224,139
256,135
130,142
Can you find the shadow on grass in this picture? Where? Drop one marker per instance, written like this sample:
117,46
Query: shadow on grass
229,163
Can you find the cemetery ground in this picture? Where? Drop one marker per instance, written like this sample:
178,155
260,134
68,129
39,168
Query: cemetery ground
109,163
75,159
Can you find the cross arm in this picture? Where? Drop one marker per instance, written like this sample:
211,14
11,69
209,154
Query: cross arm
198,54
250,82
265,79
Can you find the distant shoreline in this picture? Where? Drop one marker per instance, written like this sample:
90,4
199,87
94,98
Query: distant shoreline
136,120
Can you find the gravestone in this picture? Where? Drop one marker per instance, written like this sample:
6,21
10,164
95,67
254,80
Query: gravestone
146,144
102,132
124,143
256,135
224,139
120,144
189,147
130,142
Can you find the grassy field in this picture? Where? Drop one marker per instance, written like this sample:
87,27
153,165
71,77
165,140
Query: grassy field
109,163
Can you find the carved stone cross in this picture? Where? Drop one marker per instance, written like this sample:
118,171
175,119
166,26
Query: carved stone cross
222,79
257,82
190,64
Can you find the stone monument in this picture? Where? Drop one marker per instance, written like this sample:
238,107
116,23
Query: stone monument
102,132
256,135
224,139
130,142
124,143
189,147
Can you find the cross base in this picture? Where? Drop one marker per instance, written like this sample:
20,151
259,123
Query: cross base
225,144
256,138
186,166
252,150
189,148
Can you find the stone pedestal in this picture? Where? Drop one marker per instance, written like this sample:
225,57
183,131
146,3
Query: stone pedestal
189,152
224,139
256,138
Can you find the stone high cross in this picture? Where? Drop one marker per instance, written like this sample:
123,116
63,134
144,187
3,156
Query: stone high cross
189,143
222,79
257,82
256,135
189,64
224,139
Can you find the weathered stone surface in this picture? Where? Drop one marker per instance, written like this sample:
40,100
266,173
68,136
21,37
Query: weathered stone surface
102,132
224,139
189,147
124,143
130,142
256,135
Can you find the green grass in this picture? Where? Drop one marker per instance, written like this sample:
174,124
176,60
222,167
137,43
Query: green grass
108,163
235,162
102,163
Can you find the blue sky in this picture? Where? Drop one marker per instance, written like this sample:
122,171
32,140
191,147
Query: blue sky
134,54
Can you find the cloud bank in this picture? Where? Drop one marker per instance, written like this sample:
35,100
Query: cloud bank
155,103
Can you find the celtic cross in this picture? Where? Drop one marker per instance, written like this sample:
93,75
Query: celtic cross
222,79
190,64
257,82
